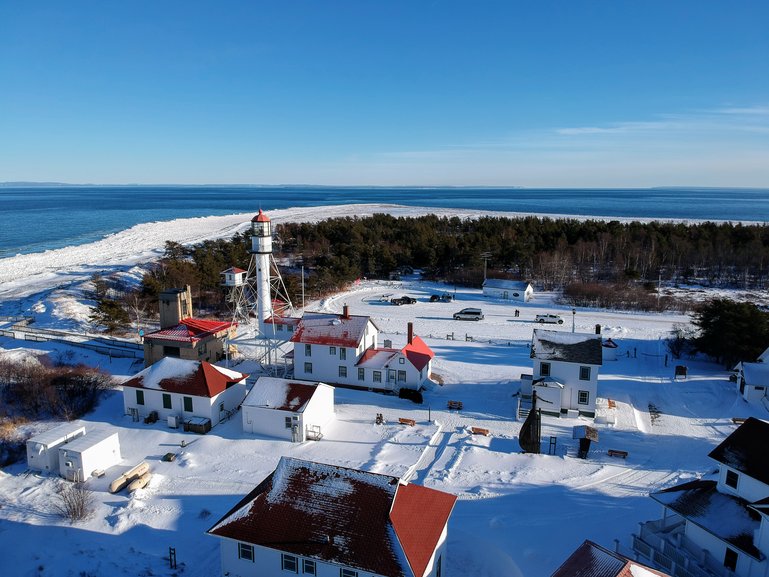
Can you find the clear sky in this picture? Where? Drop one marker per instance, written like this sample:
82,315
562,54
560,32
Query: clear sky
538,93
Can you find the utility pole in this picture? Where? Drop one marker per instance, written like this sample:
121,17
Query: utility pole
485,256
573,318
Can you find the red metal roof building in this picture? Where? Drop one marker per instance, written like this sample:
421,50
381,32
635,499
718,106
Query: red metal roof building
191,339
592,560
330,515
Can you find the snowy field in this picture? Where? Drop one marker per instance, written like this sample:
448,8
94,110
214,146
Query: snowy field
516,514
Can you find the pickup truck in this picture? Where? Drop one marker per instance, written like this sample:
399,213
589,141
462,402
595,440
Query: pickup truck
404,300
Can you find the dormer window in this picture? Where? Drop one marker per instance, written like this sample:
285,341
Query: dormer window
732,479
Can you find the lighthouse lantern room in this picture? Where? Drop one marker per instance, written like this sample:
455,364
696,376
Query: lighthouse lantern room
261,229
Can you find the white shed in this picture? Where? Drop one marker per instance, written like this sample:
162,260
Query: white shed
43,449
513,290
98,450
288,409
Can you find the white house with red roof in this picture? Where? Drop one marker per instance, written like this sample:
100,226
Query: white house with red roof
329,521
716,527
343,350
288,409
184,390
183,336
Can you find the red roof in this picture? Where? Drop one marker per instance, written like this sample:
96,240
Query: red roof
418,516
418,353
199,379
233,270
341,516
191,330
261,217
591,560
330,329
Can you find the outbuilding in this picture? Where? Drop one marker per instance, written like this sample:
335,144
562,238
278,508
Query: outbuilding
512,290
288,409
89,454
43,449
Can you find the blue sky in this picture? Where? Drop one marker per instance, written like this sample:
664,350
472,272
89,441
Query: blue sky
539,93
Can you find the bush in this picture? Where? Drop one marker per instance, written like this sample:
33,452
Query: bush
411,395
75,501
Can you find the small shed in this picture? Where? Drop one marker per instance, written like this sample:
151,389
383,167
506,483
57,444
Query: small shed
290,409
234,277
512,290
43,449
98,450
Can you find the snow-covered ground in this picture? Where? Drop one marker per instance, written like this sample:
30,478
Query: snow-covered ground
517,514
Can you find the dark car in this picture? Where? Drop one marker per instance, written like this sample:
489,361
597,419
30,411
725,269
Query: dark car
404,300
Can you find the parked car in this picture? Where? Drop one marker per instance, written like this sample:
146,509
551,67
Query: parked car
468,315
549,318
404,300
445,297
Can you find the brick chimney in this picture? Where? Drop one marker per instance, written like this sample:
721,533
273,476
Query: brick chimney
410,337
345,311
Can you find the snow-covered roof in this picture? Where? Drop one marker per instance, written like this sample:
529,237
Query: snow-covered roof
592,560
583,348
376,358
195,378
501,283
756,374
724,516
330,329
191,330
745,450
281,394
353,518
56,433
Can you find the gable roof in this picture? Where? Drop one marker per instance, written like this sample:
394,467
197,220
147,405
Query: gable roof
195,378
745,450
592,560
756,374
191,330
724,516
281,394
331,329
583,348
418,353
341,516
501,283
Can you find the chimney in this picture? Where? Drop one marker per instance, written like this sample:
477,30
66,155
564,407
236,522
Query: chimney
410,333
345,311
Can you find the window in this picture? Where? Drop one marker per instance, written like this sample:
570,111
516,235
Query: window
289,563
361,374
730,559
246,551
583,397
438,566
307,350
221,407
342,354
280,328
187,404
171,352
402,361
166,401
732,479
347,573
544,369
342,371
584,373
139,397
288,422
308,368
332,350
377,376
308,566
401,376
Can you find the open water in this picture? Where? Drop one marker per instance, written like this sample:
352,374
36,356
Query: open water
34,219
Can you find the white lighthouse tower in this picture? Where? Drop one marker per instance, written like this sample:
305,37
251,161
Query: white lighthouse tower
264,331
261,248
